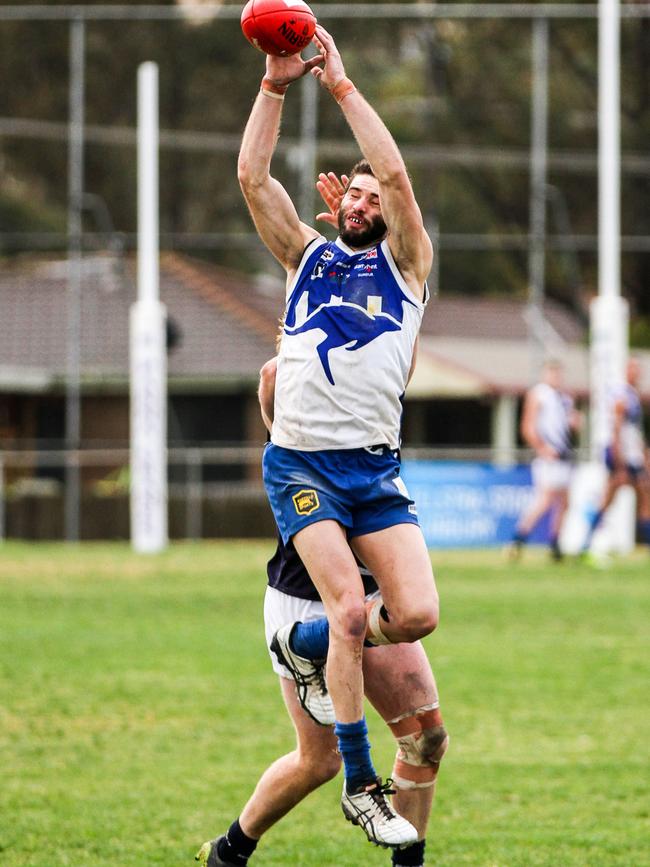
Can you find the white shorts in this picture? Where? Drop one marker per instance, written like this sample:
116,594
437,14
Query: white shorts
280,609
551,474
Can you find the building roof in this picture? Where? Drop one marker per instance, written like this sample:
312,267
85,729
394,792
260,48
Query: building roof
228,321
498,319
475,366
220,340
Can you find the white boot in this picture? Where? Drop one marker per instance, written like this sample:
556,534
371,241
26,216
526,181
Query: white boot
369,808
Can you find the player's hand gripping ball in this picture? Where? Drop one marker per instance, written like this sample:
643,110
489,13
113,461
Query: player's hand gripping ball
280,27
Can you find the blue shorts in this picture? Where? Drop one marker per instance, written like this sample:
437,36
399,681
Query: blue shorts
360,489
634,471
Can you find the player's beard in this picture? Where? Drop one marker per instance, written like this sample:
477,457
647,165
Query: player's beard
374,231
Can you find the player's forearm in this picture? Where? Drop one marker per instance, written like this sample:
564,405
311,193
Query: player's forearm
533,441
373,136
529,432
259,142
617,438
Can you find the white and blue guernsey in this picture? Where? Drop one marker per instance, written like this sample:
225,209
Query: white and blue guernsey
631,444
349,333
553,421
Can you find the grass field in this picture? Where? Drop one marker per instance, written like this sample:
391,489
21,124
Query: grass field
138,707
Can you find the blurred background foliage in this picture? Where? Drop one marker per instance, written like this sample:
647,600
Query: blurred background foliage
457,85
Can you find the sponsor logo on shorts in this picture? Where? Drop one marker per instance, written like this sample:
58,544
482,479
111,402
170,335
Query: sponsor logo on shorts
306,502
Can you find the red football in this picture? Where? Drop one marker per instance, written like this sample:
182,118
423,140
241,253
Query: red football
279,27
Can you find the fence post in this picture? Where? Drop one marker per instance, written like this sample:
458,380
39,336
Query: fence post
75,278
2,501
194,495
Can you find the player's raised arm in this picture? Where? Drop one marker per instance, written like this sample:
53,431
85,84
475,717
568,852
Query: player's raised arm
408,240
273,212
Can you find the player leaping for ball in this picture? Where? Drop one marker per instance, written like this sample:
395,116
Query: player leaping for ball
398,681
354,308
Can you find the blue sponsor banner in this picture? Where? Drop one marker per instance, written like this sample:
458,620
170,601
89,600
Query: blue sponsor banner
464,505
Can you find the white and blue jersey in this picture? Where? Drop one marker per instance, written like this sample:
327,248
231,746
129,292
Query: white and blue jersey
631,442
553,422
349,332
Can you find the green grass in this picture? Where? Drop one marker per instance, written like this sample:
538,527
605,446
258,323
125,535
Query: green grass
138,708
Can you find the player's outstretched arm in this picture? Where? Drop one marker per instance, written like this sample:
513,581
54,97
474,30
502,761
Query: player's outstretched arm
408,239
272,210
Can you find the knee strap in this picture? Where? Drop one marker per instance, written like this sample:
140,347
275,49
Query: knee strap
422,742
374,633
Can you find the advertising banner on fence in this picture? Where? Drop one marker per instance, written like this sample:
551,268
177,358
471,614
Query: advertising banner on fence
463,505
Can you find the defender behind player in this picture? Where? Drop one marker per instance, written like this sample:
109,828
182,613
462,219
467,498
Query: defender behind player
398,682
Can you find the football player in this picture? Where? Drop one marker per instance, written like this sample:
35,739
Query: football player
331,470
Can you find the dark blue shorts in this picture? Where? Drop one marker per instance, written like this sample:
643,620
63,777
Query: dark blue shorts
360,489
633,470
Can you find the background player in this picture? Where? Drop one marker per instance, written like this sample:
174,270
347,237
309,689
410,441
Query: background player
627,457
354,309
548,422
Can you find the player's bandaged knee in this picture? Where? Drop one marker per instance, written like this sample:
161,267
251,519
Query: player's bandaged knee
422,742
376,615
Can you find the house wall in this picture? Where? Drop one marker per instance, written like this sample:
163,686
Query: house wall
441,423
105,418
26,420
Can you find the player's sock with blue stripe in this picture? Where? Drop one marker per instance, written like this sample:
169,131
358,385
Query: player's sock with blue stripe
311,640
237,847
410,856
644,530
354,748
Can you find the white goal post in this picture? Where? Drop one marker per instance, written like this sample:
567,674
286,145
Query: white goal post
148,362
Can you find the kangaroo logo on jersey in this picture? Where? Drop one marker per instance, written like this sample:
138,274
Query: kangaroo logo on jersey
306,502
342,302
